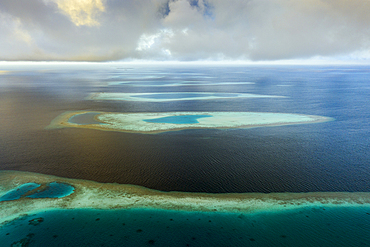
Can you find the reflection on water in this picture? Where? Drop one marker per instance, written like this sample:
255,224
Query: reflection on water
328,156
331,156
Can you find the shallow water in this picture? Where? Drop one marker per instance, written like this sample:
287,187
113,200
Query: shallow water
185,119
53,190
18,192
34,190
85,118
331,156
311,226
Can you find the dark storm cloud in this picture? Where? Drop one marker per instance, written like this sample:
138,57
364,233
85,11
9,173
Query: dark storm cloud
100,30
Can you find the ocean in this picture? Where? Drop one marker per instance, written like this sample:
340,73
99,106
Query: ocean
331,156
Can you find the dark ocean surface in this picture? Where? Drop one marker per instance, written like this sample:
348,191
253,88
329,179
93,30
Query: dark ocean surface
330,156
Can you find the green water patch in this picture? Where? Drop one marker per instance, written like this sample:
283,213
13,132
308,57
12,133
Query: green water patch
182,119
53,190
308,226
18,192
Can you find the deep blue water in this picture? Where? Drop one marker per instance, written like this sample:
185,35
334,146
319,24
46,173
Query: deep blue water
182,119
310,226
331,156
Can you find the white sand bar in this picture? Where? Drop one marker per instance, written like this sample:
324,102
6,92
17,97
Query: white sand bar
179,84
138,122
165,97
90,194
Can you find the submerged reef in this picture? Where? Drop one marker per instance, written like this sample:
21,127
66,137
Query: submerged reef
149,123
88,194
174,96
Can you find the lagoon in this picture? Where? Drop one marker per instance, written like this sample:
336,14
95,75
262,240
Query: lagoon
182,119
311,226
18,192
152,123
53,190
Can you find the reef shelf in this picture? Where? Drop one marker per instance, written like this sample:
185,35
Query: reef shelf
149,123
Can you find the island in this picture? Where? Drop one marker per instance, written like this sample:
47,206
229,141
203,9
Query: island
151,123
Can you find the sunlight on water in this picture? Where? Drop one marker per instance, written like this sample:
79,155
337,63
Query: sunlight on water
328,161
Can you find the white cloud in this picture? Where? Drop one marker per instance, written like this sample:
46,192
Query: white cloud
82,12
147,42
257,30
19,41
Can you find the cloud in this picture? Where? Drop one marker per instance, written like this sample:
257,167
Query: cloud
101,30
82,12
18,41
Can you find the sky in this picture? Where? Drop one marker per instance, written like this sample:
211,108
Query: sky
185,30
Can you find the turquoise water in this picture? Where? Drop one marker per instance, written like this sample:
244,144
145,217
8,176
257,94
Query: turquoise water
330,156
85,118
310,226
184,119
18,192
54,190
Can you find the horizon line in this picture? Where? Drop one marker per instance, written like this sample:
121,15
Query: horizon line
198,62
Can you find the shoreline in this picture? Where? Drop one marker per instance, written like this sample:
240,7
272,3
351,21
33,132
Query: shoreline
90,194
